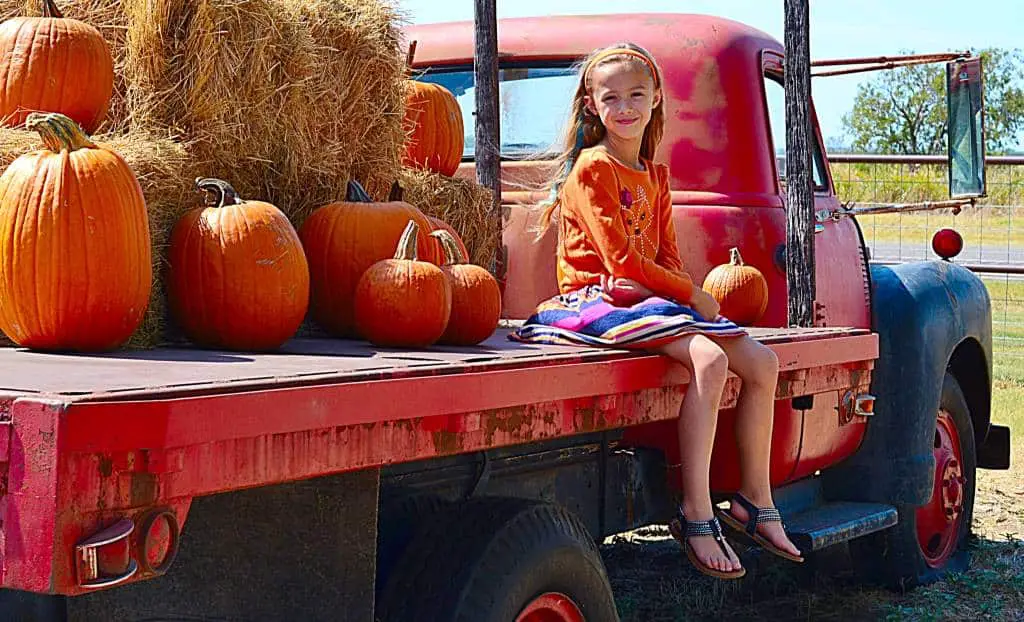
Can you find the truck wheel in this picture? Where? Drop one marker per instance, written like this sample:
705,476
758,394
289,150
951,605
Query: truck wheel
401,516
930,540
500,560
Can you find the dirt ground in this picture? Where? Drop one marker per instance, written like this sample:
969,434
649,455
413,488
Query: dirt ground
653,582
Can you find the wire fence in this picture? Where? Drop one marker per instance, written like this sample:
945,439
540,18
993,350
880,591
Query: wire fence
993,230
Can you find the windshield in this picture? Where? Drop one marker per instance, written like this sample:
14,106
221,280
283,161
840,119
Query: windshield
534,105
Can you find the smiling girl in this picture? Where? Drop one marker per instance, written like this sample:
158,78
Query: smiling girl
623,285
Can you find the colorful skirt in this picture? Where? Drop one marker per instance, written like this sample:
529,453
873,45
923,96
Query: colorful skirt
584,318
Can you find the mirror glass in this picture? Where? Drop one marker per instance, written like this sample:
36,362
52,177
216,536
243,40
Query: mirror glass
966,114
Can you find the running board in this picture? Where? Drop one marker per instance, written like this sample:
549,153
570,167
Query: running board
823,525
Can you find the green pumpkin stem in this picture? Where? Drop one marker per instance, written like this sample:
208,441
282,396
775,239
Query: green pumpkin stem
355,193
734,257
219,190
397,193
59,133
407,243
50,9
452,254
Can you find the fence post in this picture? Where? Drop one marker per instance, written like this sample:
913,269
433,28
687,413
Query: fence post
799,188
488,128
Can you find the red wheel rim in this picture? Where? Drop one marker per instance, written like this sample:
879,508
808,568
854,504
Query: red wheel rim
938,521
551,607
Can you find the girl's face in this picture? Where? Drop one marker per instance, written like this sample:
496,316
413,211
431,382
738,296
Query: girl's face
622,95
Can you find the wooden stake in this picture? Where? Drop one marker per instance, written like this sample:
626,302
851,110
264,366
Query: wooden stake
488,129
799,179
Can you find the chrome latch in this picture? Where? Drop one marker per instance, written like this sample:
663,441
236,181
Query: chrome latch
856,405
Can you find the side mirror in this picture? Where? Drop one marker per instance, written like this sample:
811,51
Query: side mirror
966,127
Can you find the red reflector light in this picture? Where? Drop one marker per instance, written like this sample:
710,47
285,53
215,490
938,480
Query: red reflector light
947,243
158,541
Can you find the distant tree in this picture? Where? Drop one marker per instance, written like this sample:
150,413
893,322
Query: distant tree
903,110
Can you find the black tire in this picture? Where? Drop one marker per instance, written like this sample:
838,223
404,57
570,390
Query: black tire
894,557
401,516
486,559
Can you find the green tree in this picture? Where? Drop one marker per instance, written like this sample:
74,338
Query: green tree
903,111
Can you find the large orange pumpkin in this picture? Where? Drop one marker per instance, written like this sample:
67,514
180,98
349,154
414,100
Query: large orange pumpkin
75,266
342,240
741,290
402,301
433,126
476,298
238,277
54,64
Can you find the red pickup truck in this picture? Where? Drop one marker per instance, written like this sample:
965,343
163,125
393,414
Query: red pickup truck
335,480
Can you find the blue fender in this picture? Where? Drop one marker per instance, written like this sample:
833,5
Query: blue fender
922,312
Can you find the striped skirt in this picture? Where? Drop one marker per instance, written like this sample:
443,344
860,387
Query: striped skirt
584,318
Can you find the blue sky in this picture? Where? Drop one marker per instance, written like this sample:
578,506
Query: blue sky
839,28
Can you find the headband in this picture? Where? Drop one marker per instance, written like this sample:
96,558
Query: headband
600,56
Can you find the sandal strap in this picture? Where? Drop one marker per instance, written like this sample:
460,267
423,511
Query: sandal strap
755,515
699,528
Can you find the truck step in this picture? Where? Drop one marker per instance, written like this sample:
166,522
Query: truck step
830,523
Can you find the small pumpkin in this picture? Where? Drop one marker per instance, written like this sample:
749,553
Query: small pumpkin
75,259
342,240
54,64
476,298
433,126
403,301
740,290
238,277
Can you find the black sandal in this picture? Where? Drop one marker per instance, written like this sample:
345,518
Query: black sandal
682,529
756,516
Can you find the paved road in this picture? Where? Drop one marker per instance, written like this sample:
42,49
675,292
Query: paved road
893,251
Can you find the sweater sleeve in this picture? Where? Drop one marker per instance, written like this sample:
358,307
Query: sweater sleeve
593,193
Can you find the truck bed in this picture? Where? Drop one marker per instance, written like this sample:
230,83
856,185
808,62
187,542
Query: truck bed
167,373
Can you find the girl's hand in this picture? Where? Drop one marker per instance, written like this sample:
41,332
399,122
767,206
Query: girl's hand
623,292
703,303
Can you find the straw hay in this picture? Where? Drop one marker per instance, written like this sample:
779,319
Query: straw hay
166,174
288,98
463,204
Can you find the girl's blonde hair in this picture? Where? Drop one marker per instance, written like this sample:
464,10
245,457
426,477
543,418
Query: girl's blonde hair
585,129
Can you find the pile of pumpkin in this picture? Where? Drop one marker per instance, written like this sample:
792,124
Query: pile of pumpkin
75,250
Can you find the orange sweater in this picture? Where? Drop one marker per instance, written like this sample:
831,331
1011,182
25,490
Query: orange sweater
617,220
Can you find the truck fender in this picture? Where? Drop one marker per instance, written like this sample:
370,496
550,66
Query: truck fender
930,316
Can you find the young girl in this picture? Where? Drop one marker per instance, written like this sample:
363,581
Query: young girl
622,285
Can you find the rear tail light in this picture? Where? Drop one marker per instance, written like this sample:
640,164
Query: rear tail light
105,558
158,541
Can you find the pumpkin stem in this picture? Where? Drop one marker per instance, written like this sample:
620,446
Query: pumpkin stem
59,133
734,257
219,190
355,193
396,193
452,253
407,243
50,9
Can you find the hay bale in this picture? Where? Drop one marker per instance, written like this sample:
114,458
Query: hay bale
463,204
288,98
166,173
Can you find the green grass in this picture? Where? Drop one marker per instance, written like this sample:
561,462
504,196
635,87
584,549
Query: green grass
654,583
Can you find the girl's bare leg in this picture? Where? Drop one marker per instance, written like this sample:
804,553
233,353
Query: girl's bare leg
698,418
758,368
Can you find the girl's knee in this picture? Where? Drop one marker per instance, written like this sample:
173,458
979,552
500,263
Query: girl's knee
709,360
765,368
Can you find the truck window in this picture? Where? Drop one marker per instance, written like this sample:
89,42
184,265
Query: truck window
775,96
534,105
